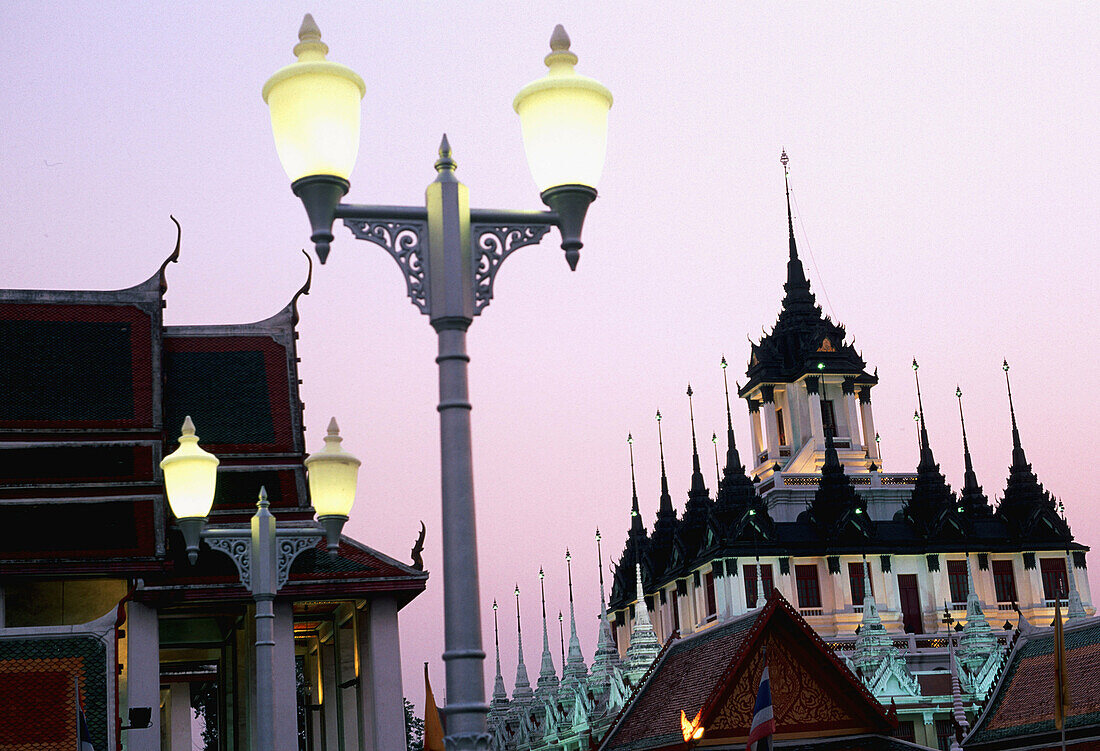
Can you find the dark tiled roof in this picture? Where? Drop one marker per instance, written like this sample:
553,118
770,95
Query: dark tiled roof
72,365
688,673
1023,702
234,387
715,672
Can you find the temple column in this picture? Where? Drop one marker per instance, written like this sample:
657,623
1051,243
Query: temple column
285,689
849,389
381,699
330,693
772,421
757,434
817,430
868,424
355,735
720,591
179,716
143,673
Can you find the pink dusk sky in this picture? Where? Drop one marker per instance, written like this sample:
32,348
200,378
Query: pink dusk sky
943,169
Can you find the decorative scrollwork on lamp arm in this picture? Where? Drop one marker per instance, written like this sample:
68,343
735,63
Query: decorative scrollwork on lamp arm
492,244
404,241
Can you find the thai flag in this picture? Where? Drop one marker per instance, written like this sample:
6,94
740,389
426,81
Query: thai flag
763,720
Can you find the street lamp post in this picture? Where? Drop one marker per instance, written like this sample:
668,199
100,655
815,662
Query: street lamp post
449,255
264,553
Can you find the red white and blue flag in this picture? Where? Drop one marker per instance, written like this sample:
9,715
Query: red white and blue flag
763,719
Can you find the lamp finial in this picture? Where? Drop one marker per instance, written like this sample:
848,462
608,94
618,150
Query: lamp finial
560,52
309,40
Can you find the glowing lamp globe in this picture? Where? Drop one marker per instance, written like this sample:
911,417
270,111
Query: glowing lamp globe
333,475
564,120
190,475
315,107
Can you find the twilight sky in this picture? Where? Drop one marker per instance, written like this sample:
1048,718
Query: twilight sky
943,169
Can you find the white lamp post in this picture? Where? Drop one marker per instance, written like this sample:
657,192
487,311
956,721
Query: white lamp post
449,255
267,553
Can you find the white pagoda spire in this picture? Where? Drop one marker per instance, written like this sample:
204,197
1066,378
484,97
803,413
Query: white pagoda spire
522,692
574,670
644,646
500,694
548,674
607,655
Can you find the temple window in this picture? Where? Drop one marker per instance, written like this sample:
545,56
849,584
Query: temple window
1055,584
855,578
809,591
782,428
1004,581
956,578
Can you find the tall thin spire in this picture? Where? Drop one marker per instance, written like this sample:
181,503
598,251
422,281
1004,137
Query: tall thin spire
973,499
1018,458
548,674
522,691
698,486
666,499
925,450
500,694
575,670
636,525
607,655
733,459
797,287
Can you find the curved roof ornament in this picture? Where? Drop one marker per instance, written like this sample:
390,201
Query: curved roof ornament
174,258
303,291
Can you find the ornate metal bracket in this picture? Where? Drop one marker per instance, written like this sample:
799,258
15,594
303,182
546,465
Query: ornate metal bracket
492,244
403,240
287,548
237,547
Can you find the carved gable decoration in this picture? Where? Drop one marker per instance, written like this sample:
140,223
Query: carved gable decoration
716,672
805,699
826,346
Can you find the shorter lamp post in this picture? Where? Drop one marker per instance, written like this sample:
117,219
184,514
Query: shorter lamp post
264,554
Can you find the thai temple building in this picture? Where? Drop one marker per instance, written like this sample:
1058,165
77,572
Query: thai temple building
917,587
104,622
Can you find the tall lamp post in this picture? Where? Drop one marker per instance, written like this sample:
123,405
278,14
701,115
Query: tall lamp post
263,554
449,255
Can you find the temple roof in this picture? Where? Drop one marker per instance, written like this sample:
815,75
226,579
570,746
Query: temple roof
715,673
804,341
1020,712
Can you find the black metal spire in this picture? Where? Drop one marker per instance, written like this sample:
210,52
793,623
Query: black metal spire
698,486
797,286
733,459
973,499
1018,458
665,507
927,461
636,526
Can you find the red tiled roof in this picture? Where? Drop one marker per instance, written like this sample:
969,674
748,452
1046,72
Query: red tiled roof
1021,709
